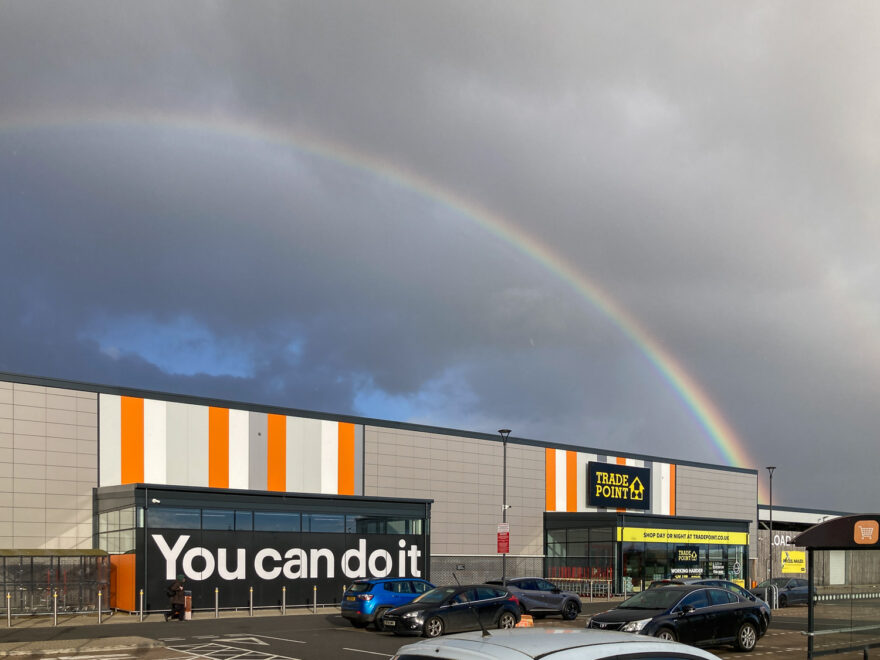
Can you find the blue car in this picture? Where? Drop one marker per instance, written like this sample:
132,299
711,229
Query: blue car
366,601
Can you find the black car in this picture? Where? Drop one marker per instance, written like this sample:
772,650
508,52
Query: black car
791,591
706,582
455,609
539,597
693,614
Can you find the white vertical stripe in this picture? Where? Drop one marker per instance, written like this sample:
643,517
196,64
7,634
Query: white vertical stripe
295,451
155,447
330,457
561,481
665,476
238,448
110,440
583,496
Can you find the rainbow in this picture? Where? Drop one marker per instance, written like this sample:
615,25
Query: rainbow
725,440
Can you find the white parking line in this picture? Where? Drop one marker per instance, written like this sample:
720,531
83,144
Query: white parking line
282,639
384,655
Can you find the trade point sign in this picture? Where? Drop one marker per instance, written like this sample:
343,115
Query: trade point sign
618,486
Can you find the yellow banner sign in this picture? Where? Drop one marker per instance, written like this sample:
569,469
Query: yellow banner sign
794,561
647,535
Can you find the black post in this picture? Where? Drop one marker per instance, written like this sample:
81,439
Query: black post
504,434
770,469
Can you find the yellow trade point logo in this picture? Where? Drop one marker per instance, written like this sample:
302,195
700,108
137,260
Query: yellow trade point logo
636,490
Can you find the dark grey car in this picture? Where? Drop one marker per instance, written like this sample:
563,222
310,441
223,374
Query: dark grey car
539,597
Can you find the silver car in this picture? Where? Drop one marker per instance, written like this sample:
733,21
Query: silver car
549,644
539,597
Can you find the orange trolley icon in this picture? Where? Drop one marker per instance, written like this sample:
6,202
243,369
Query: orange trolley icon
866,532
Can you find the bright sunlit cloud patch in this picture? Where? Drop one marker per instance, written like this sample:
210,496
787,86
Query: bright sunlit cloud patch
180,346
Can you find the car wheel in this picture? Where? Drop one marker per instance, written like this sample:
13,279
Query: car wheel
570,610
783,601
667,633
506,620
747,637
433,627
379,621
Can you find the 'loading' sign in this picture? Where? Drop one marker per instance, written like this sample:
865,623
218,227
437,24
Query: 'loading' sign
618,486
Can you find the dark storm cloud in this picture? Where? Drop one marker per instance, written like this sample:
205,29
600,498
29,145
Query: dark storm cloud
711,166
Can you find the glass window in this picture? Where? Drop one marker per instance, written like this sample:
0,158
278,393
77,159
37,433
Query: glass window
221,520
360,524
421,587
323,522
721,597
173,518
270,521
543,585
697,599
398,526
244,521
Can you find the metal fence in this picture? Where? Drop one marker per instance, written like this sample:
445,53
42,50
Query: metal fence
31,583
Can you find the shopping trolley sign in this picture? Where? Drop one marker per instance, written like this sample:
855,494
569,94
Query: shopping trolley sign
866,532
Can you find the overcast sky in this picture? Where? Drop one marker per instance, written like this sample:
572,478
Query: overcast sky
414,211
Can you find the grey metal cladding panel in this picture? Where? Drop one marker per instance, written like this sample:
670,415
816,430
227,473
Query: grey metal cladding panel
464,478
258,453
176,437
715,493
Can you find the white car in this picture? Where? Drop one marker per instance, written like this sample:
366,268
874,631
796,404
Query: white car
549,644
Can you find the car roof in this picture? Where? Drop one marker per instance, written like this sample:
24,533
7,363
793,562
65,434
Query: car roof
376,580
538,642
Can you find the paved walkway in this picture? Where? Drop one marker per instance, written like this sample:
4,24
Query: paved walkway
9,647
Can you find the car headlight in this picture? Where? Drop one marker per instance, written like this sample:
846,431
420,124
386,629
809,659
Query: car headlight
635,626
411,615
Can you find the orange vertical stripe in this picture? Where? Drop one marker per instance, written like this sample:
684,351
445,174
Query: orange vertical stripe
550,479
621,461
672,490
132,440
345,478
276,475
218,447
571,481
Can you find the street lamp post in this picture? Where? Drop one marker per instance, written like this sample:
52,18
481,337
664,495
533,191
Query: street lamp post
770,469
504,434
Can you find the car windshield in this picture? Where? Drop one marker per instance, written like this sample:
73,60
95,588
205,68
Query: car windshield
779,582
652,599
437,595
360,587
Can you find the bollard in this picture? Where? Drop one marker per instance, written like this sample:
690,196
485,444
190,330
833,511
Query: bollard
216,602
142,605
251,603
315,599
55,608
9,609
100,613
284,600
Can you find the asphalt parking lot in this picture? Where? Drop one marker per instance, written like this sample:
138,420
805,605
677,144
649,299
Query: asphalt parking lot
301,636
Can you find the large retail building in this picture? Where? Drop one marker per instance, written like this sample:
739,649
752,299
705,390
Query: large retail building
248,500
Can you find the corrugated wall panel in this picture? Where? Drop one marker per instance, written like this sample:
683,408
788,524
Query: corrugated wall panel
110,455
259,452
155,444
176,439
197,445
239,455
329,457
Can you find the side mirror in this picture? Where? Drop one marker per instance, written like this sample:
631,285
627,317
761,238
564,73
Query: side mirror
557,590
687,609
